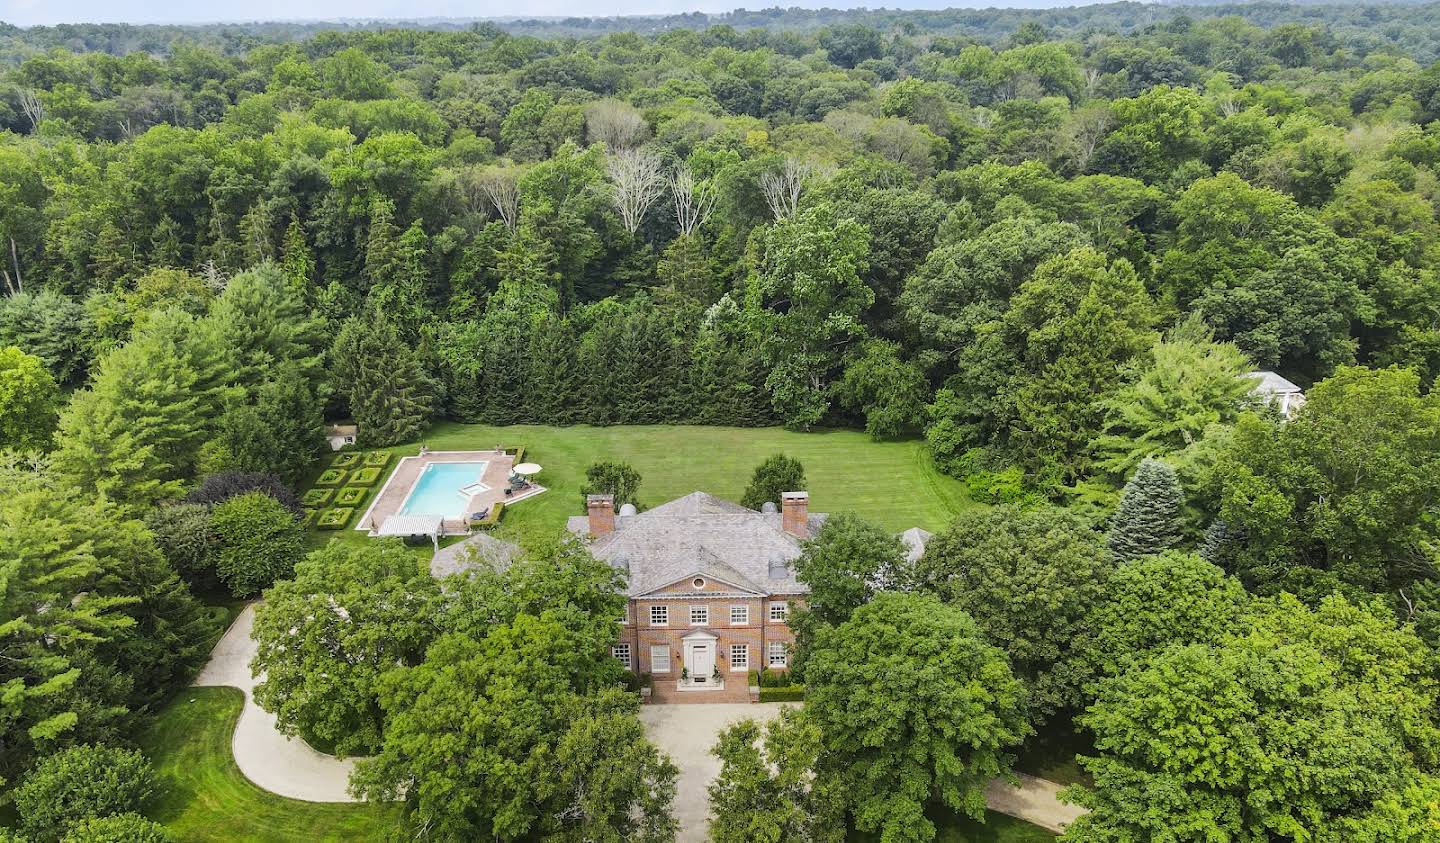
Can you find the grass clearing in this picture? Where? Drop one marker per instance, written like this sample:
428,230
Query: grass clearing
206,798
894,484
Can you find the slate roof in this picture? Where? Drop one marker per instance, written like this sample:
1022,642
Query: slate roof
915,540
700,534
1269,383
478,549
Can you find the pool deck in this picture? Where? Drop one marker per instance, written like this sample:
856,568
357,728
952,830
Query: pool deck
496,477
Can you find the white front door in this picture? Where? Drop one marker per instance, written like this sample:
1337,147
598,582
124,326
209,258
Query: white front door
700,658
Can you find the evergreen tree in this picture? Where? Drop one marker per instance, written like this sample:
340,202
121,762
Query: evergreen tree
1147,520
1219,543
401,291
263,324
685,268
51,688
389,394
380,247
258,242
165,244
297,261
135,433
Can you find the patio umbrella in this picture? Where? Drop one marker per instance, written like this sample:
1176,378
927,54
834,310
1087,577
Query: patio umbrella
527,468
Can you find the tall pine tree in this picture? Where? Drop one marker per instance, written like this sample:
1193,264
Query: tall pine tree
1147,521
390,395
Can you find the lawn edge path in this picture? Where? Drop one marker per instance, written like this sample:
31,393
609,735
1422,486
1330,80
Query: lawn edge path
274,762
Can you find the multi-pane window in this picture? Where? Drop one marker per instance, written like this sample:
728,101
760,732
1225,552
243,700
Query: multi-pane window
739,657
659,615
699,615
621,652
660,659
779,611
739,615
777,653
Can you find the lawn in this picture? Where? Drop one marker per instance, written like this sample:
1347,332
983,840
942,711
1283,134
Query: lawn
892,483
207,798
997,828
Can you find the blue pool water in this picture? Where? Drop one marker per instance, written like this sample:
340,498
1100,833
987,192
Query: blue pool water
437,491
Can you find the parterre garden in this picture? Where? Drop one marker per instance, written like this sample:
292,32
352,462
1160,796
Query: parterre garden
343,489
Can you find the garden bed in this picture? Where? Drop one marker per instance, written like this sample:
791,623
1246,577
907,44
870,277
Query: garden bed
335,518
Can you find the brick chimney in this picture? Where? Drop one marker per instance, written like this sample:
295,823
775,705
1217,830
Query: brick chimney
795,513
601,509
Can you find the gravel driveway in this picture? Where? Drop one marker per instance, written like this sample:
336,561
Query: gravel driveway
281,765
686,733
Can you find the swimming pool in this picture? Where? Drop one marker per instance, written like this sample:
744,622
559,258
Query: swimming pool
444,488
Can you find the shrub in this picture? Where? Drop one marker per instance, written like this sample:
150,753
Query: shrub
1001,487
316,497
349,459
377,459
612,478
775,475
785,693
364,476
183,532
259,542
331,477
335,518
224,485
491,518
79,783
120,828
350,495
773,678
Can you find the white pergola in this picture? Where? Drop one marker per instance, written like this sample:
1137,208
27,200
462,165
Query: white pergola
413,525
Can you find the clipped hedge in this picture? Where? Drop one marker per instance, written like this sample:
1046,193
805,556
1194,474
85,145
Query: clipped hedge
307,518
316,498
768,678
788,693
335,518
331,477
364,476
350,495
377,459
491,518
349,459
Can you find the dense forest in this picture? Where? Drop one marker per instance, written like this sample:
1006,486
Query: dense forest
1052,243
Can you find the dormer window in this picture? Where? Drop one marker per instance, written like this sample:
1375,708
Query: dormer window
779,570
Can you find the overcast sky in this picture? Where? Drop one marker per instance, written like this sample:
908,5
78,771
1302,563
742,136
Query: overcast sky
31,12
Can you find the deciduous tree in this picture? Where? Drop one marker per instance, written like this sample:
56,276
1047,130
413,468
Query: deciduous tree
914,707
325,637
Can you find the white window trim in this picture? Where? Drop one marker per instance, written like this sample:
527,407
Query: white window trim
694,609
664,611
770,655
666,649
744,611
734,668
783,615
615,653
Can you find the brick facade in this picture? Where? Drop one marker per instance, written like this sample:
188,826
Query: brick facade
749,626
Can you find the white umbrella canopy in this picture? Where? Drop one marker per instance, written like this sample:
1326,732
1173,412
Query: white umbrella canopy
527,468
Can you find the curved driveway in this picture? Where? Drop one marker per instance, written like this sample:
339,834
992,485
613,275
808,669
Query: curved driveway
289,767
282,765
